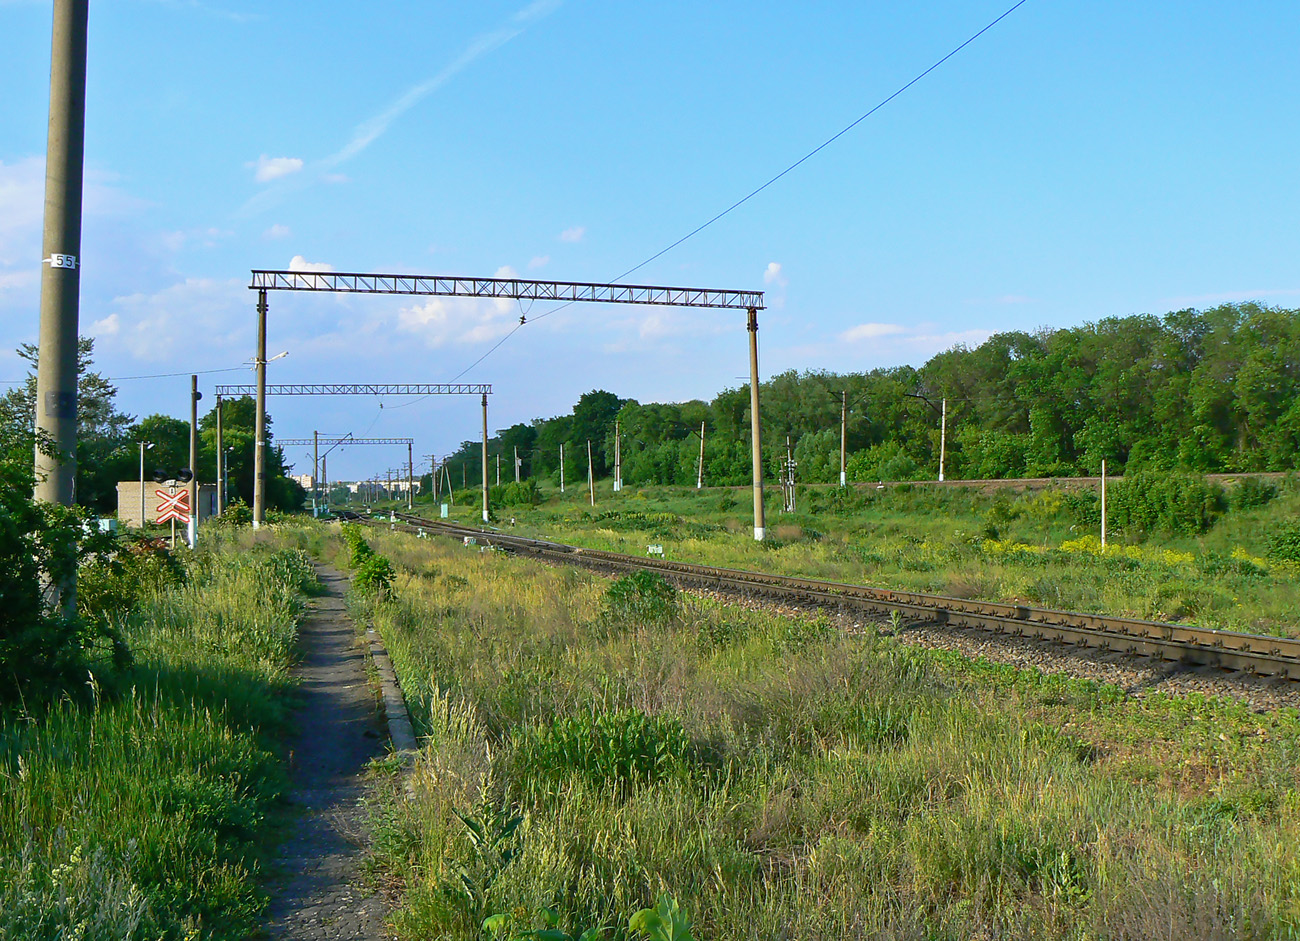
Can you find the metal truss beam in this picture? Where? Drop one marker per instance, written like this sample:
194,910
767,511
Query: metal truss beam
333,441
571,291
342,388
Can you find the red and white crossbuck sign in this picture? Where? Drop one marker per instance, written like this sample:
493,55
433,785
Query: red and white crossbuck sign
173,506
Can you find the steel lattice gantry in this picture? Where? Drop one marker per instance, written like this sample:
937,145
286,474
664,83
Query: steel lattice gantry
337,440
362,388
333,441
331,282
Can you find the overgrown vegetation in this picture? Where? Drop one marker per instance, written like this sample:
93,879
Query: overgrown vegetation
139,805
791,781
1195,391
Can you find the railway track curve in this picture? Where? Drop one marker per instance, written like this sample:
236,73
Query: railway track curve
1257,654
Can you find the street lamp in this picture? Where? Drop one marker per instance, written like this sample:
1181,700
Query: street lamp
144,446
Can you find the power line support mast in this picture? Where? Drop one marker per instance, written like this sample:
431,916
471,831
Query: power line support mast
943,435
259,433
410,477
56,370
192,527
485,469
221,465
844,427
756,426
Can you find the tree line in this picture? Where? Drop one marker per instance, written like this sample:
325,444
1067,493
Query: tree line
1195,390
108,440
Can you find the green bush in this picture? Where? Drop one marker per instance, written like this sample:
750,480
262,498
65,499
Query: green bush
524,493
354,538
1284,543
642,597
374,575
609,749
1155,501
237,513
1252,492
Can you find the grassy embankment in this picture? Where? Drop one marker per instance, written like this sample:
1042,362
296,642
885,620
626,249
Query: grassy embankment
785,781
145,807
1003,546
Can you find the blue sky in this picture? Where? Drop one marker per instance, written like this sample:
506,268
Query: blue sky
1078,161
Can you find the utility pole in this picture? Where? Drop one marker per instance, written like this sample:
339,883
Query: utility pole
498,470
1103,503
516,463
943,436
259,430
221,465
561,467
756,429
591,474
485,471
618,458
56,368
410,478
315,468
844,426
325,476
193,528
699,479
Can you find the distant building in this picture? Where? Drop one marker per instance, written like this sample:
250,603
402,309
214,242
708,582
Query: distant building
128,501
304,480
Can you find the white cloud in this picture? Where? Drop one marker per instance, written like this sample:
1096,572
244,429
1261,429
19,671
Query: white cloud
539,261
871,331
277,231
298,263
442,321
265,169
574,234
772,275
334,177
198,314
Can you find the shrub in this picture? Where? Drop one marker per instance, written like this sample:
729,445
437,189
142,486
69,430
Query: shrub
642,597
1252,492
1176,504
237,513
374,575
524,493
1284,543
355,539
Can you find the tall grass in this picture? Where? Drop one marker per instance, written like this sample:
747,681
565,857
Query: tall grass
808,784
145,812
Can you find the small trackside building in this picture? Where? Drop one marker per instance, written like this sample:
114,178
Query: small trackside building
128,501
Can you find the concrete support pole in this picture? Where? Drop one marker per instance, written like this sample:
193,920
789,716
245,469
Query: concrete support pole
1103,503
142,516
498,470
56,369
516,464
325,476
844,428
591,475
410,478
756,431
699,477
485,467
561,467
618,457
315,469
192,530
259,431
943,436
221,464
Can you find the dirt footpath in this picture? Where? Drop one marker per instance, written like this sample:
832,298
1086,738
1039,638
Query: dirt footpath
319,893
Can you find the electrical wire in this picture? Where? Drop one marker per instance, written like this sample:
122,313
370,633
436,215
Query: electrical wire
754,192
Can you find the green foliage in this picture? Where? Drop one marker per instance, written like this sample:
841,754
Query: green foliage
524,493
491,834
1251,492
354,538
606,749
1284,543
235,513
665,922
374,576
641,598
1170,503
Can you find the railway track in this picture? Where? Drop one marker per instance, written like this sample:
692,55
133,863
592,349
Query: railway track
1249,653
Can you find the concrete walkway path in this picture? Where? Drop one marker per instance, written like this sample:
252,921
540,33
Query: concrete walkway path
320,894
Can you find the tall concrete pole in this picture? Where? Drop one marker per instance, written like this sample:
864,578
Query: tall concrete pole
844,427
221,464
56,368
618,458
485,469
259,432
756,431
699,478
410,478
315,469
943,436
516,463
561,467
192,530
325,478
591,475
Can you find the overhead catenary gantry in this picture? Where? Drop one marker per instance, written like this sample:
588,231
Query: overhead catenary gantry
331,282
333,441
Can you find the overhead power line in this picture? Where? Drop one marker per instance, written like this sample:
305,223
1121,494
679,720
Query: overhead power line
758,189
